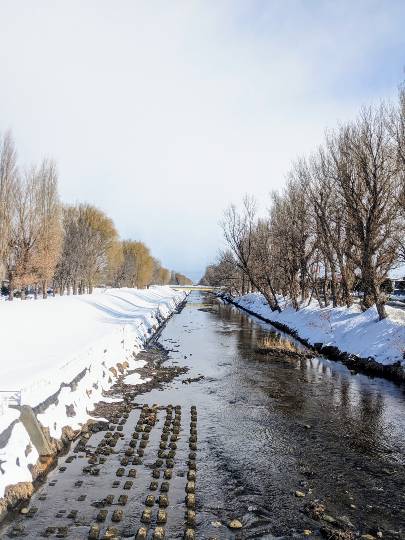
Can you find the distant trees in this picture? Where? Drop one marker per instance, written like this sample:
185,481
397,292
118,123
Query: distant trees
179,279
70,248
337,225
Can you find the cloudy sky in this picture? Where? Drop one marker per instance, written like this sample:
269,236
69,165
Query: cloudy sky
161,113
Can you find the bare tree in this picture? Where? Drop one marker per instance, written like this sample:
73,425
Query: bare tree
8,181
368,182
49,235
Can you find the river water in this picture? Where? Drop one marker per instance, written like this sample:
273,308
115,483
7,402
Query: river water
267,429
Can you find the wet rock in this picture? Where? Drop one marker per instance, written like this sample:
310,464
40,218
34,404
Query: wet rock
190,487
315,510
24,511
146,515
117,516
328,518
216,524
367,537
191,476
150,500
168,474
189,534
128,484
235,524
142,533
94,532
158,533
161,517
163,501
190,501
111,534
120,471
299,494
101,516
153,485
164,488
190,518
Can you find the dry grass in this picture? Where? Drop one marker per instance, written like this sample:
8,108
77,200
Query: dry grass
275,341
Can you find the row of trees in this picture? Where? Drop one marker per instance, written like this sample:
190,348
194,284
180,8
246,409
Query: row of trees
69,248
337,225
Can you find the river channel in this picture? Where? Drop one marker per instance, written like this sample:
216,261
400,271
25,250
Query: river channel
278,439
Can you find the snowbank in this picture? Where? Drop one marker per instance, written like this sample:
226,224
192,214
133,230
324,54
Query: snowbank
64,347
350,330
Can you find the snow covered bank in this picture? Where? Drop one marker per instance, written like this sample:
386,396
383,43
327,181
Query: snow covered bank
62,353
350,330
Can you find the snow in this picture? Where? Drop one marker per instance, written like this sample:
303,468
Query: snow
349,329
65,347
134,378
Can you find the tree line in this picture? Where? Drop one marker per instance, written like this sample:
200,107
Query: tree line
336,227
45,244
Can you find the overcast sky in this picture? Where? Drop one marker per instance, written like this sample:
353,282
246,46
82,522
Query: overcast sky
161,113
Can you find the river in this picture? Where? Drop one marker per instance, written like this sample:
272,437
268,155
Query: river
275,437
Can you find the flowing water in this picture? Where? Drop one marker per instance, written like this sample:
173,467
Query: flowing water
267,428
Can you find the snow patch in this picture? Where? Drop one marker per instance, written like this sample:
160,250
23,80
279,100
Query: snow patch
349,329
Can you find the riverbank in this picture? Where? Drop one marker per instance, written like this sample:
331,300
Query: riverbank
350,336
63,355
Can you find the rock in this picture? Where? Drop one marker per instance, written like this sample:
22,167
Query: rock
235,524
117,516
306,532
161,517
24,511
159,533
142,533
216,524
367,537
190,501
146,516
189,534
94,532
299,494
328,518
111,534
190,518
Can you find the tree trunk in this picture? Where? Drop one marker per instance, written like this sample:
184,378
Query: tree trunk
10,287
379,299
44,289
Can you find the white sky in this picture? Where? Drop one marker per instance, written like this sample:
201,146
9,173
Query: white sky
163,112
